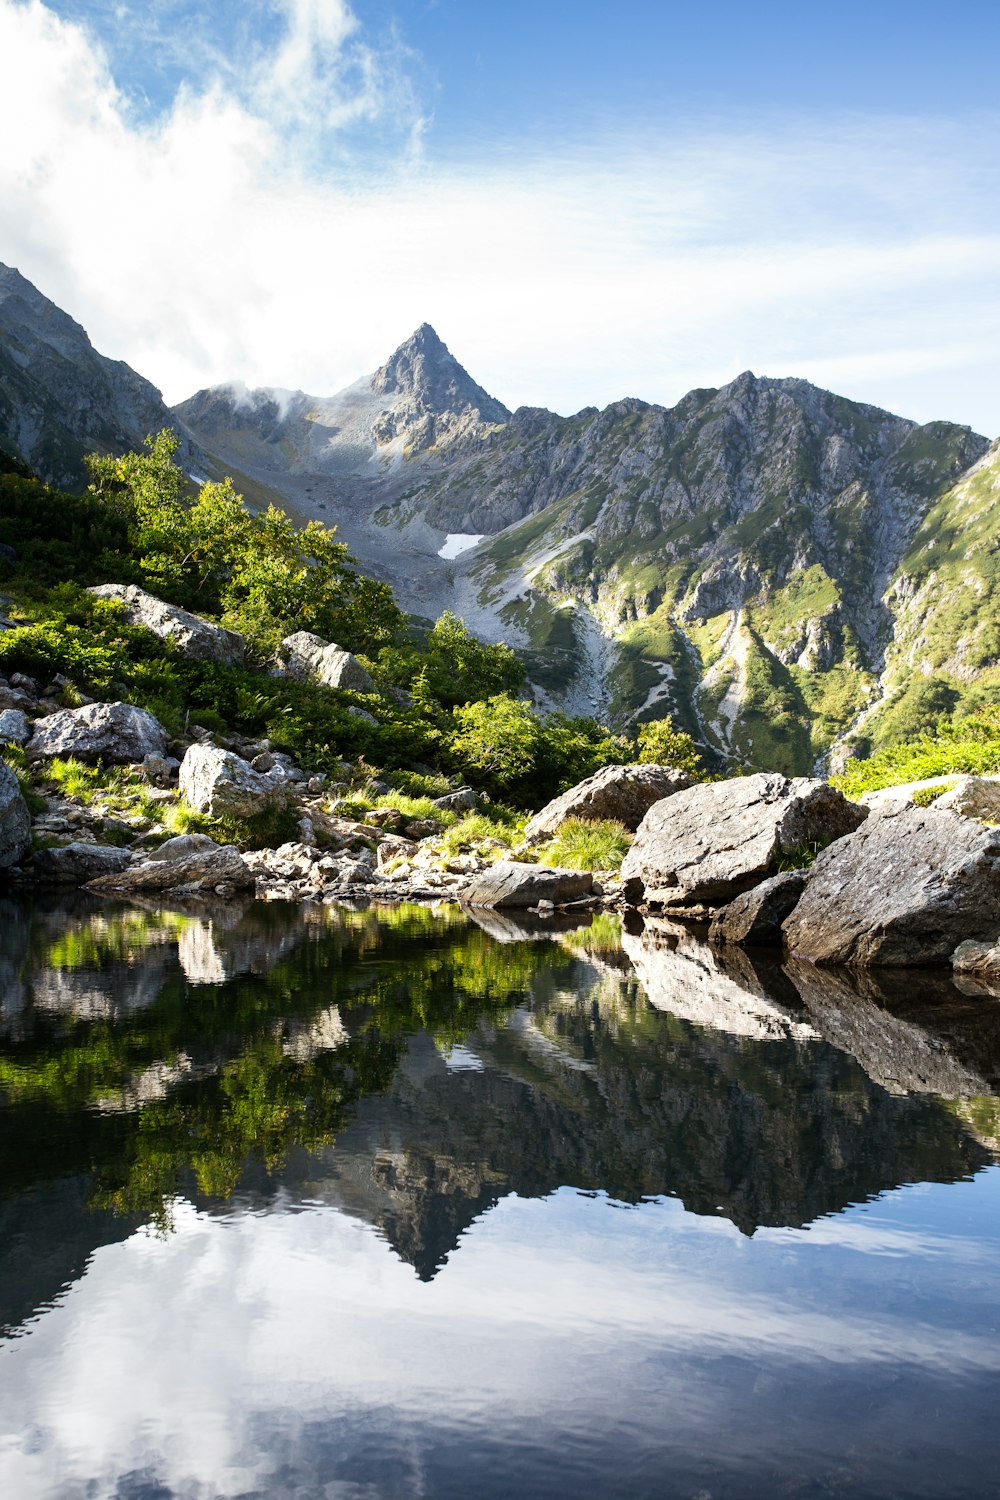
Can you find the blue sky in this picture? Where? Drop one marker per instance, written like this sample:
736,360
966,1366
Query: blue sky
586,202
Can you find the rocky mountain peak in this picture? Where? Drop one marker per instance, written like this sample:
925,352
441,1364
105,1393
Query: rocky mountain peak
426,375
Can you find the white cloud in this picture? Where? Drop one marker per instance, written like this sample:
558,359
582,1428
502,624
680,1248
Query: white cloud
242,236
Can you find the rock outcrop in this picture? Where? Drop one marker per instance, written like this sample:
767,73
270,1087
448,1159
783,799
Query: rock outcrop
99,733
306,657
15,820
509,883
757,915
905,889
622,793
222,784
195,638
195,865
974,797
77,863
704,846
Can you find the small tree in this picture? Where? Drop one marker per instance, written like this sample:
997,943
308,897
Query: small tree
660,743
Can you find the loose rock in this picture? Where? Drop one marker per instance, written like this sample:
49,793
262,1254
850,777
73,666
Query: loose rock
222,784
509,883
196,871
622,793
973,797
77,863
14,727
15,820
757,915
305,656
195,638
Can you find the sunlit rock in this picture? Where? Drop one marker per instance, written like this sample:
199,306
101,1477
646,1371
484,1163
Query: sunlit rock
704,846
195,638
906,889
103,733
622,793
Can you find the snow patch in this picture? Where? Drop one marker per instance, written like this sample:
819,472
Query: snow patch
457,542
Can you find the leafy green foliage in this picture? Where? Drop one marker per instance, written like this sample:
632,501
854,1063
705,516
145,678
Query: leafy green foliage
504,745
968,743
660,743
265,576
261,574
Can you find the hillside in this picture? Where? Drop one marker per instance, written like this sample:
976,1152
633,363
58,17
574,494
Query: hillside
789,574
60,398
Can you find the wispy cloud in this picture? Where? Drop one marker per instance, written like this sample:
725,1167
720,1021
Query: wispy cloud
278,223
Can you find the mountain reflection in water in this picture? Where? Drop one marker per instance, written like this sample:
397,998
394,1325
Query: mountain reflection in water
409,1069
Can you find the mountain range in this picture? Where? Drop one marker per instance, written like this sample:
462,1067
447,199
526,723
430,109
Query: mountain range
791,575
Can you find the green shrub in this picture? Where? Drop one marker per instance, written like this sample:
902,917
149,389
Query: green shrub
476,829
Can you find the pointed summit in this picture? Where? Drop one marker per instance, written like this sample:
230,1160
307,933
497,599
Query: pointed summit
428,377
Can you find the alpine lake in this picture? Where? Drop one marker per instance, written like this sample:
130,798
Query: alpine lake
342,1202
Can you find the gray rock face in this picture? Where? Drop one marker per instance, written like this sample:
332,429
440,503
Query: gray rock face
907,888
307,657
182,847
60,398
704,846
191,872
76,864
110,733
195,638
624,793
222,784
14,727
972,796
15,820
464,800
757,915
508,883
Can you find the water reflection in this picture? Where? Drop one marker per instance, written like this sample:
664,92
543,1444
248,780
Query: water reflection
412,1068
359,1202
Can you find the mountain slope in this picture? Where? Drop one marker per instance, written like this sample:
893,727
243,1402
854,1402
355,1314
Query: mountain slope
731,560
59,398
788,573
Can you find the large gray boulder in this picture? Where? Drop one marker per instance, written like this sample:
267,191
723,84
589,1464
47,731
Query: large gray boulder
704,846
622,793
15,820
110,733
201,870
222,784
14,727
757,915
77,863
905,889
308,658
509,883
195,638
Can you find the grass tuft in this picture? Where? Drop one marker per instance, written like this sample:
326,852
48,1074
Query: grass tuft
582,845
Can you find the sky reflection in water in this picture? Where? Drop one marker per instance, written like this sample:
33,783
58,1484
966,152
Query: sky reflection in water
431,1305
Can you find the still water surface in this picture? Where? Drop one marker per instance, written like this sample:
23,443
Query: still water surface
373,1203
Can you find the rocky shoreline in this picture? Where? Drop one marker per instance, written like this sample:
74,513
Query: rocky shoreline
764,859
